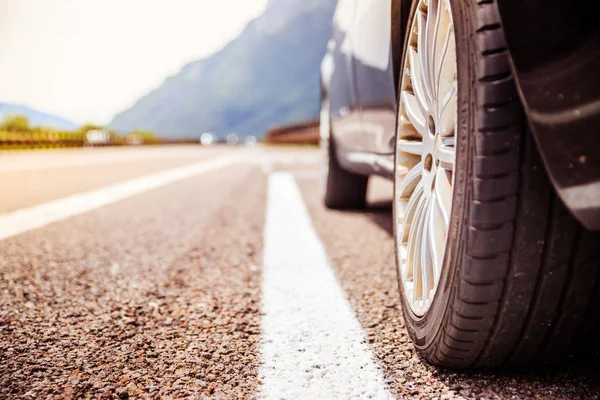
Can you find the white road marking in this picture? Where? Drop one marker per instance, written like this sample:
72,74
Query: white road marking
20,221
313,347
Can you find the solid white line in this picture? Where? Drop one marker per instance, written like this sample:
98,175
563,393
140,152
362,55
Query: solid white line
313,347
20,221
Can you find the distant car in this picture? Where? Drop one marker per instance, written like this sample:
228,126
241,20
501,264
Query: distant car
486,116
206,139
97,137
219,138
134,139
232,138
250,141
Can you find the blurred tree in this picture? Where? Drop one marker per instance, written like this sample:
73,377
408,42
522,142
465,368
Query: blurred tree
15,123
88,127
147,136
39,129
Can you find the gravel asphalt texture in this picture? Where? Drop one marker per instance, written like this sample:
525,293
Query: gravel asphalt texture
153,297
361,250
158,295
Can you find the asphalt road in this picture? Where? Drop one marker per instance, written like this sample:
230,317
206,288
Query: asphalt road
189,272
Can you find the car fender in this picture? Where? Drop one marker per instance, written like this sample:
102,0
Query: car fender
555,57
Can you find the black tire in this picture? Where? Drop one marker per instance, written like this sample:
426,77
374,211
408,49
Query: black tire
520,283
344,190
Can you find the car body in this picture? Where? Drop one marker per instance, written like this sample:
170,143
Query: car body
250,140
359,80
97,137
207,138
233,139
486,116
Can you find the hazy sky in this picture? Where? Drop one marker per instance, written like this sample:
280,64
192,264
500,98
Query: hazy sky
88,59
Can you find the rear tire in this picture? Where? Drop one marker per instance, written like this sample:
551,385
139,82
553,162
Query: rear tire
520,278
343,189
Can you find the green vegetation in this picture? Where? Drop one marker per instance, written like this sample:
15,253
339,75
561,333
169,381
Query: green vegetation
16,133
148,137
83,129
15,123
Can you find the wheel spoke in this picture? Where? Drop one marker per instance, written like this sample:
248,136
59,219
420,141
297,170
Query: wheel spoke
426,260
433,24
448,141
409,213
423,52
443,195
410,233
448,112
414,112
448,98
446,156
414,249
409,182
403,262
417,81
436,239
410,146
440,65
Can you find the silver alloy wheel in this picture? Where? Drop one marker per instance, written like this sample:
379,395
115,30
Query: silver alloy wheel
425,152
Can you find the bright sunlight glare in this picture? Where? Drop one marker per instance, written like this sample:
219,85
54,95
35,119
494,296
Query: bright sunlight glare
88,59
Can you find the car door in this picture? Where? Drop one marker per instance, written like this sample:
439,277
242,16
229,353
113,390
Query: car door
343,103
374,75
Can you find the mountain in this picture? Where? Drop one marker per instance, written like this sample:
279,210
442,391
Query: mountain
35,117
268,75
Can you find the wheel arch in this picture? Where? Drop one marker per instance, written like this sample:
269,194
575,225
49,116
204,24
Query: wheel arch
399,16
557,80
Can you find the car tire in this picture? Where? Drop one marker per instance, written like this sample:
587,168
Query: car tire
520,278
344,190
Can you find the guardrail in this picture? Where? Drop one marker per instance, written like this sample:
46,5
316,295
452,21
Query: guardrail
30,140
306,132
56,140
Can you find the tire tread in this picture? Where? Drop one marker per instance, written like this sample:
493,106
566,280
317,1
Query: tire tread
522,245
344,190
